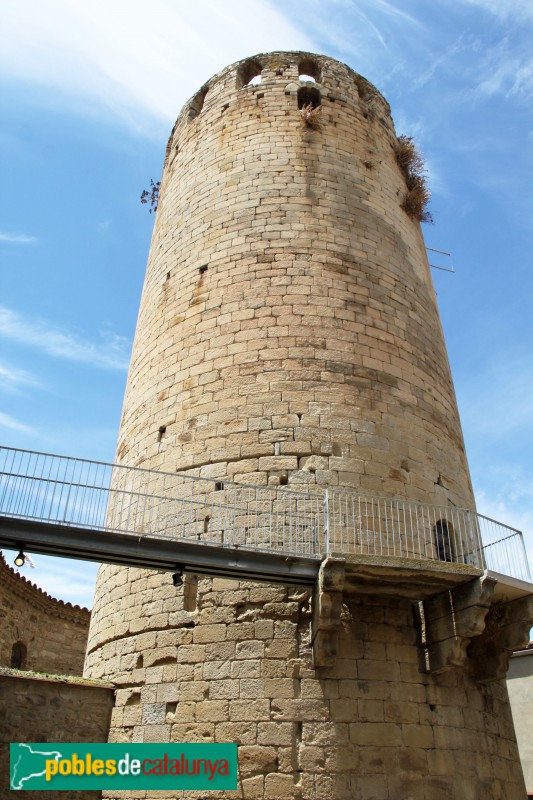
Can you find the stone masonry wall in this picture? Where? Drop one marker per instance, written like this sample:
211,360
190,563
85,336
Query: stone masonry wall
239,668
53,632
35,709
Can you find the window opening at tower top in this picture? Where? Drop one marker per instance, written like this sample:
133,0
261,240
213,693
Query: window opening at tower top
249,73
308,95
309,70
197,103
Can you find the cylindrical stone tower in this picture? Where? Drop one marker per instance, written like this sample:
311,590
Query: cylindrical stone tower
288,335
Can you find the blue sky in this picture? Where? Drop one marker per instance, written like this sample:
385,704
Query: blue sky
88,95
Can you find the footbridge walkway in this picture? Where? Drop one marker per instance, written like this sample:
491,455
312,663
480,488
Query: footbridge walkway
103,512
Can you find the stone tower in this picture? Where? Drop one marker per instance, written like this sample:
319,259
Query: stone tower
288,335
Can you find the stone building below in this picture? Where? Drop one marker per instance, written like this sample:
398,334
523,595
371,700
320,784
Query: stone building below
38,632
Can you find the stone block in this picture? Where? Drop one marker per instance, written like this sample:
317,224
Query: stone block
278,786
401,712
192,732
299,709
212,711
279,687
420,736
375,787
191,654
194,690
253,788
281,648
235,732
277,734
268,463
264,629
153,713
132,715
378,671
224,689
156,733
370,710
256,759
215,670
209,633
246,669
384,734
251,688
249,650
311,759
249,710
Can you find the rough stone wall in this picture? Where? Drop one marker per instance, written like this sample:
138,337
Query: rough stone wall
239,669
53,632
34,709
520,687
288,334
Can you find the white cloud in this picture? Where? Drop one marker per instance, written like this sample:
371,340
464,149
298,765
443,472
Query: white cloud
447,58
507,72
16,238
393,11
12,379
111,352
136,60
520,9
368,33
12,424
511,504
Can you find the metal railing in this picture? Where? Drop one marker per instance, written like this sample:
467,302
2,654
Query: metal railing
109,497
503,548
100,496
392,527
386,526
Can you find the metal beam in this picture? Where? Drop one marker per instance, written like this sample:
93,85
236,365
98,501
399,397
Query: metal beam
147,552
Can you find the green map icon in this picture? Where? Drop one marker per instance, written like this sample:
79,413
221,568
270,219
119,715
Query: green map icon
28,763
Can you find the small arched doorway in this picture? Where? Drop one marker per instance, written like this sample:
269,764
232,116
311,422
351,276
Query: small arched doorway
19,653
443,538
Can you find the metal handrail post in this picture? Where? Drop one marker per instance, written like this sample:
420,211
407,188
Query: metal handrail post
476,539
524,551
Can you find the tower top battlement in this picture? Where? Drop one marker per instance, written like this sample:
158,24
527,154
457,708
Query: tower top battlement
292,71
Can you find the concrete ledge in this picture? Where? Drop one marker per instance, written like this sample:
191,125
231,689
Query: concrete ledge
415,579
74,680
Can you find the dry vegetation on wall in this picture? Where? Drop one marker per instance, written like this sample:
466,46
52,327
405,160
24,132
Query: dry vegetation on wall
411,163
311,115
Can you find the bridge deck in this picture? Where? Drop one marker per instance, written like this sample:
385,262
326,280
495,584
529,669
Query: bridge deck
149,552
